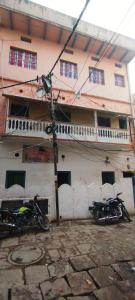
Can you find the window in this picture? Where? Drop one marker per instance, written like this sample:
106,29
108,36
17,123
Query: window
63,117
19,110
104,122
15,177
118,65
64,177
108,177
68,69
122,123
96,76
128,174
23,58
119,80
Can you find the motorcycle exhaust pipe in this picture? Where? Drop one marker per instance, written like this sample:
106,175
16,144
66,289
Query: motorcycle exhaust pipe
108,218
7,225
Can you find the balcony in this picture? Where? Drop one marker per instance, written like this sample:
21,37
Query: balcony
66,131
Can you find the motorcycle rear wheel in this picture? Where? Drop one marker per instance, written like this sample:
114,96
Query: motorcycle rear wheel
5,231
97,216
43,222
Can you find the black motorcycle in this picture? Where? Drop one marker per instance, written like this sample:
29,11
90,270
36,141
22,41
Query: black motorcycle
29,214
113,210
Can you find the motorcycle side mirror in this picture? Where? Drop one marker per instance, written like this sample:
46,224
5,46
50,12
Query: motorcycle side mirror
104,199
119,194
35,197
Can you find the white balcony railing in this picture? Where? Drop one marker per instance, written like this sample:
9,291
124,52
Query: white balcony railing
31,128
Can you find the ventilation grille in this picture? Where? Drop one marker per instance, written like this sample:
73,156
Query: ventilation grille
26,39
69,51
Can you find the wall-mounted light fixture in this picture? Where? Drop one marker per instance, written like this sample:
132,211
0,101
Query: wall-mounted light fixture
63,157
107,161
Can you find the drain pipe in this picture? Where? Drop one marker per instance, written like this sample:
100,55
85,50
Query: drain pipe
131,109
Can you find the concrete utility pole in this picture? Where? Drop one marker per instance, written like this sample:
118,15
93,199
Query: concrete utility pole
47,89
55,155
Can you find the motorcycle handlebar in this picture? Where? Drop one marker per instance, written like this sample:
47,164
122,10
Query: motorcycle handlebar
113,198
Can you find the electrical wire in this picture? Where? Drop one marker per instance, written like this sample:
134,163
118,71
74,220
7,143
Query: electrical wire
95,148
69,38
115,165
24,82
87,59
106,49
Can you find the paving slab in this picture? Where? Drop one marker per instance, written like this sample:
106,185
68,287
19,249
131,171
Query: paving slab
131,296
53,244
103,276
124,270
72,242
102,258
126,286
27,238
81,283
10,242
54,289
82,262
10,278
86,248
26,293
4,264
36,274
59,269
109,293
68,252
4,294
54,255
79,298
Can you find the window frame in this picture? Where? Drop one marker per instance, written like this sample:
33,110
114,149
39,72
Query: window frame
23,58
21,111
14,173
63,117
119,80
96,76
68,67
123,123
112,179
68,173
104,118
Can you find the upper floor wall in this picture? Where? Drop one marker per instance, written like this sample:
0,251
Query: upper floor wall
47,52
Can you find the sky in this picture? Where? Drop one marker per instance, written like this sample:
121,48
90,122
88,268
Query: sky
115,15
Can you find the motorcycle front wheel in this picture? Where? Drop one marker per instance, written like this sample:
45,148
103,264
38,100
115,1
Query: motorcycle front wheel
126,214
43,222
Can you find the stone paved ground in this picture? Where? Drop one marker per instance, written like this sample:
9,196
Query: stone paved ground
81,261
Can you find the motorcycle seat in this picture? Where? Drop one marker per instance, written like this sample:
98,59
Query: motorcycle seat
100,204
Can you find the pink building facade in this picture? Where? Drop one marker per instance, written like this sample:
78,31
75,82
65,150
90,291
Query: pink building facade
94,111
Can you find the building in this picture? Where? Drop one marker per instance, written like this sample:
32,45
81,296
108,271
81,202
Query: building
93,112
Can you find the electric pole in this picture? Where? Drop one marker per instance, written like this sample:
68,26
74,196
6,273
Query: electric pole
55,156
51,129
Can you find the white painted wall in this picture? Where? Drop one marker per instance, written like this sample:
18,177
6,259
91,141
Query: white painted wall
85,165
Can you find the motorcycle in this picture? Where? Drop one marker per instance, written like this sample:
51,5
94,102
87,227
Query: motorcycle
29,214
113,210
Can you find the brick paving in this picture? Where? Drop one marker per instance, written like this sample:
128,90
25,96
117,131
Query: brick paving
81,261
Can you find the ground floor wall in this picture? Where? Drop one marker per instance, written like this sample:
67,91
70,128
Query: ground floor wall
82,170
